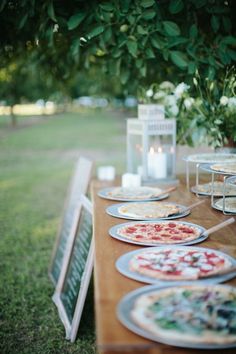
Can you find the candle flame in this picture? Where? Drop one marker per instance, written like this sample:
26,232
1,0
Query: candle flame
159,149
152,150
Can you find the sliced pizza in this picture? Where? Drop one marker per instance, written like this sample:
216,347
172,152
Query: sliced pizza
194,314
161,232
152,210
218,189
179,263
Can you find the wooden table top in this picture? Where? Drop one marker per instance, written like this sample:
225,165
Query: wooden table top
111,286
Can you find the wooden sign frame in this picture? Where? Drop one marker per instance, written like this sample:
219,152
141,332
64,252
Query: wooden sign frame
71,326
78,186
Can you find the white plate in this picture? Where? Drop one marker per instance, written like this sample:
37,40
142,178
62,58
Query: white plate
113,211
215,206
103,193
210,158
218,194
126,304
122,265
114,233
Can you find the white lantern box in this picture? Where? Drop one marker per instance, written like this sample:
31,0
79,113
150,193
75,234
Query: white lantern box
151,149
151,111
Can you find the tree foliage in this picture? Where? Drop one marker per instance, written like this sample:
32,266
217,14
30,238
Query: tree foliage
136,41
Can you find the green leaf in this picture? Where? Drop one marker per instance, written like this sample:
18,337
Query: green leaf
171,28
95,31
150,54
157,42
107,6
173,41
191,67
193,31
227,24
148,14
139,63
116,53
141,30
179,59
23,21
215,23
131,19
147,3
229,40
124,75
232,54
132,47
176,6
51,12
75,20
107,34
143,70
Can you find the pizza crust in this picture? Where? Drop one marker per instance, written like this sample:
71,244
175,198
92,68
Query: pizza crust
144,318
229,168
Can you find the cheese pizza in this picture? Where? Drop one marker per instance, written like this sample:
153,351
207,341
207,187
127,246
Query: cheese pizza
227,168
179,263
134,193
152,210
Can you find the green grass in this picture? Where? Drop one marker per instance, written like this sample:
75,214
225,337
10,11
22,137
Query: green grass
36,164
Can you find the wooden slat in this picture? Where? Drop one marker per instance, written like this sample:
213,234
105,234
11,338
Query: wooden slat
111,286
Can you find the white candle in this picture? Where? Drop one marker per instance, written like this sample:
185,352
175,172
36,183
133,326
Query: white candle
157,163
106,173
131,180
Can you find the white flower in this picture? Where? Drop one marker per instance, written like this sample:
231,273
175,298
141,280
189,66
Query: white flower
195,81
159,95
180,89
170,100
167,85
224,100
232,102
149,93
188,102
173,110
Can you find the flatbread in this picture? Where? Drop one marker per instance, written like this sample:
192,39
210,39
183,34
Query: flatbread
211,158
179,263
162,232
149,210
230,204
193,314
227,168
141,193
206,188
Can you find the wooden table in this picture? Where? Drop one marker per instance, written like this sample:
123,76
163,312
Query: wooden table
111,286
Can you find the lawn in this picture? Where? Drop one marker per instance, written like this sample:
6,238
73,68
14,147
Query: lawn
37,160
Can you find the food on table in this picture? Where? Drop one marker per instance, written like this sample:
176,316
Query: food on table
159,232
218,189
179,263
228,168
149,210
230,204
194,314
205,157
134,192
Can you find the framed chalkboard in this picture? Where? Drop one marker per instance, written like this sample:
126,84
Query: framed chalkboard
78,186
72,286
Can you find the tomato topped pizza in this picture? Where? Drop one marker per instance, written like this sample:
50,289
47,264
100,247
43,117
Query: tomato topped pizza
179,263
162,232
149,210
194,314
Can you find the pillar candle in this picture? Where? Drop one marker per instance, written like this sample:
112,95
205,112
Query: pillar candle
157,163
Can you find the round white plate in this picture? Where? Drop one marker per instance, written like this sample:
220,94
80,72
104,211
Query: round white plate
103,193
113,211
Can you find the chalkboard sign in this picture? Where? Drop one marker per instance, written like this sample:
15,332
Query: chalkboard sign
76,270
79,186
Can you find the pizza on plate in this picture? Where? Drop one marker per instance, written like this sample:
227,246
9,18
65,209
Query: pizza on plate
149,210
230,204
206,188
179,263
228,168
191,314
134,192
215,157
159,232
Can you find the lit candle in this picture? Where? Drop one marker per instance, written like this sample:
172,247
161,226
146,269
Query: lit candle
157,163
